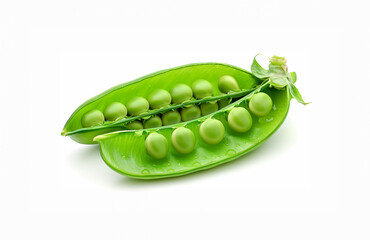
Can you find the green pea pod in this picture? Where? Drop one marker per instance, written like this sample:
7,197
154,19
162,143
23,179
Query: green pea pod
126,152
143,87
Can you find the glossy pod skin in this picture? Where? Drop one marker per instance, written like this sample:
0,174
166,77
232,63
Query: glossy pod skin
125,151
187,77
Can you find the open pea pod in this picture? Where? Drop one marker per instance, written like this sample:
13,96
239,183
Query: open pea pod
127,152
143,87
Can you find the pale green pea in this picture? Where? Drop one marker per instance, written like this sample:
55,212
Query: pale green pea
171,117
260,104
114,111
180,93
137,106
183,140
227,84
212,131
208,108
239,119
92,118
202,88
135,125
190,113
153,122
159,98
156,145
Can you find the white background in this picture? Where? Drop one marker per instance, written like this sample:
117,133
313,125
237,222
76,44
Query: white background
310,180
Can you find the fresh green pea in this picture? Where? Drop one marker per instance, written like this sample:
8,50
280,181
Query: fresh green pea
92,118
208,108
159,98
223,102
183,140
239,119
180,93
212,131
135,125
227,84
171,117
153,122
156,145
260,104
137,106
202,88
114,111
190,113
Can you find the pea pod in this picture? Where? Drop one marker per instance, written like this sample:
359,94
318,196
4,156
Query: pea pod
133,94
125,151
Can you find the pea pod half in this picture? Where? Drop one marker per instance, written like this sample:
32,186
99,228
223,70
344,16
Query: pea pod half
133,94
126,152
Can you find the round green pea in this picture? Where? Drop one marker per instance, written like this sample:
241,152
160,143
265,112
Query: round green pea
223,102
92,118
153,122
202,88
208,108
260,104
180,93
159,98
114,111
183,140
190,113
171,117
135,125
212,131
137,106
239,119
156,145
227,84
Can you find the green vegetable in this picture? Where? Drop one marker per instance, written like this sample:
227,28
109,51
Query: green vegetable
239,119
227,84
202,88
183,140
156,145
212,131
239,112
190,113
171,117
181,93
92,118
137,106
114,111
159,98
260,104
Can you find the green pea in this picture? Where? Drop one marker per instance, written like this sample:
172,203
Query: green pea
159,98
208,108
114,111
260,104
202,88
153,122
190,113
171,117
227,84
180,93
212,131
183,140
92,118
223,102
156,145
137,106
135,125
239,119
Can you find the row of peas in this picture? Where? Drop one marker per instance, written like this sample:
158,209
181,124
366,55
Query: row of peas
161,98
211,131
